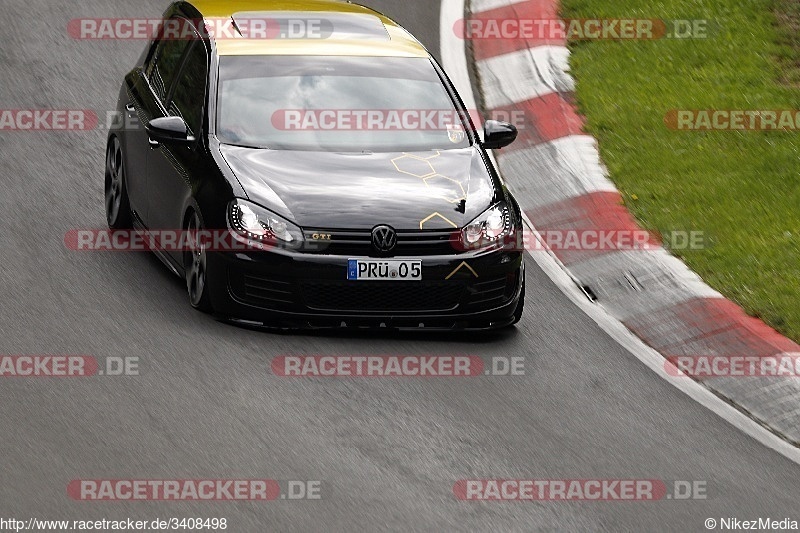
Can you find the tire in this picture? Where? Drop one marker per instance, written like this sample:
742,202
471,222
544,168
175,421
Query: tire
118,207
195,261
520,305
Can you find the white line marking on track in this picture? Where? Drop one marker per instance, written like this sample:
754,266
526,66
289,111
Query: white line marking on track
479,6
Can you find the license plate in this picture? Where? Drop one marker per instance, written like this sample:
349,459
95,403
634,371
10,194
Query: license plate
384,269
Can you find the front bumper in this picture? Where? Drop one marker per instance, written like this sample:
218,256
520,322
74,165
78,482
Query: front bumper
478,290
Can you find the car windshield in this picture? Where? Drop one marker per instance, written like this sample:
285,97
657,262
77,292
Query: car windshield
376,104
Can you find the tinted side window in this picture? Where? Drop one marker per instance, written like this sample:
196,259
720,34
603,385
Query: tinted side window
189,95
165,63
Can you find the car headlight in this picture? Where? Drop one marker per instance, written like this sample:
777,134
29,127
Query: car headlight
260,225
488,229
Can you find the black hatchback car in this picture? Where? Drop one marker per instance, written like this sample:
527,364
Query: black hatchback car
343,161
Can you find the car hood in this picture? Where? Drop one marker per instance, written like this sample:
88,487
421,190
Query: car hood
406,190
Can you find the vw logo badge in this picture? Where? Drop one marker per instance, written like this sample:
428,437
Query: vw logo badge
384,238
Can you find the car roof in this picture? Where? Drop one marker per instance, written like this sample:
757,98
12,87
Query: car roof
380,36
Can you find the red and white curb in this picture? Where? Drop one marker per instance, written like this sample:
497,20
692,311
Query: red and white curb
557,176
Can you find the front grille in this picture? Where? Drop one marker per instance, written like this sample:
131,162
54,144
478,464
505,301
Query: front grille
372,296
382,296
359,243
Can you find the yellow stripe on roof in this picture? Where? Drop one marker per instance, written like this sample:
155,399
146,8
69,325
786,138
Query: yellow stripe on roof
243,47
226,8
399,44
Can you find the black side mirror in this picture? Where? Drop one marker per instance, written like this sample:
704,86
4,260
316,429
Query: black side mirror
498,134
168,130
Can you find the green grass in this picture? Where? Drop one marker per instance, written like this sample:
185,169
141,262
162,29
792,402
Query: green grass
787,15
741,188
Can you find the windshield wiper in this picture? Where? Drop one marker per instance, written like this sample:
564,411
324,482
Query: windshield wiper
246,146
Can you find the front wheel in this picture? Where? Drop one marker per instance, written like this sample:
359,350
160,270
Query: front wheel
195,261
118,208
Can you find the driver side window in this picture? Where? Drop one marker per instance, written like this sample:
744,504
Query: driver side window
189,95
164,65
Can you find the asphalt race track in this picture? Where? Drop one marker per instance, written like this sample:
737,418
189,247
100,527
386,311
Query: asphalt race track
206,405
